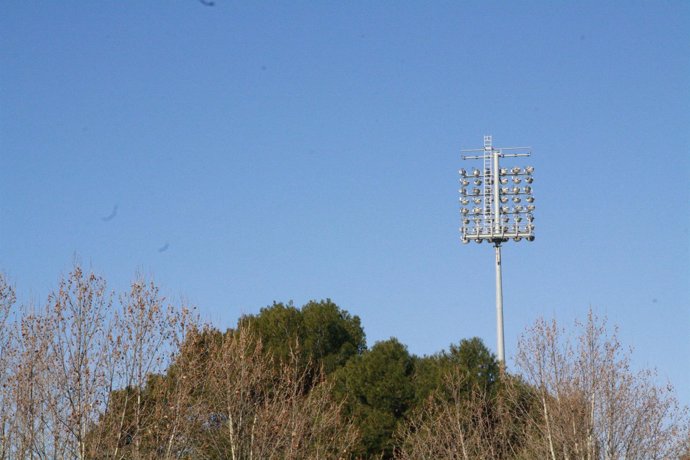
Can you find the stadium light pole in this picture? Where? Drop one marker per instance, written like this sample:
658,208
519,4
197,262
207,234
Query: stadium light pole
489,220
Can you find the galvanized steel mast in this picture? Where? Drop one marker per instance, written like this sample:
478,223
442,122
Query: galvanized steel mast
492,222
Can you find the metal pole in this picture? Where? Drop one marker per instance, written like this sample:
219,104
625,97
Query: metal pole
499,307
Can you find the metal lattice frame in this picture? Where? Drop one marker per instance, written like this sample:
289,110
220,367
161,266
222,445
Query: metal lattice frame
496,189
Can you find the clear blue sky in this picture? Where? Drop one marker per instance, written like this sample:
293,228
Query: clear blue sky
301,150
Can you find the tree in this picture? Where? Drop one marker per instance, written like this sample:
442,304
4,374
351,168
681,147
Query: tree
463,411
325,335
78,316
252,407
470,358
147,333
7,363
591,404
378,389
331,335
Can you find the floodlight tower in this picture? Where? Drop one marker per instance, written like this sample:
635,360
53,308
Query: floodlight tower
492,218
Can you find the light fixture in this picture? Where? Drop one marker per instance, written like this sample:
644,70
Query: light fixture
465,182
493,219
464,200
464,210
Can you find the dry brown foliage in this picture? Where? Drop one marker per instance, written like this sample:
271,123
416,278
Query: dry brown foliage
591,404
456,424
138,378
255,409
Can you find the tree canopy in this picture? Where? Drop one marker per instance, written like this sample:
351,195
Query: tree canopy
94,375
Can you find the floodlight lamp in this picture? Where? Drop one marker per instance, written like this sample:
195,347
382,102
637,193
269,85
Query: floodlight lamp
476,191
505,190
515,170
475,172
478,240
464,211
517,238
466,221
518,219
465,182
462,172
504,180
505,220
529,169
516,179
477,200
529,179
463,191
528,189
518,208
530,238
530,207
503,171
504,199
465,241
477,182
516,199
530,218
464,200
530,199
505,209
516,190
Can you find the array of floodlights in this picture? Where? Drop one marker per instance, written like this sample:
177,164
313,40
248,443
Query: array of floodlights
497,205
